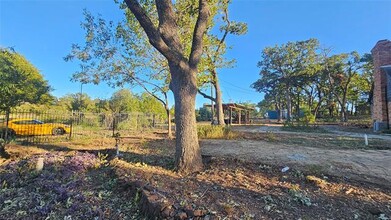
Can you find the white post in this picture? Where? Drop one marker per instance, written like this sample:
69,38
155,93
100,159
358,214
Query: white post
39,165
366,139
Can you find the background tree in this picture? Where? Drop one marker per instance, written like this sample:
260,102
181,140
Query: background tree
340,83
367,83
204,114
123,101
119,55
20,82
150,105
288,66
75,102
213,59
342,70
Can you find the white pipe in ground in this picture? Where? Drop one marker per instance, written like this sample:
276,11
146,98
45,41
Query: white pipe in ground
366,139
39,165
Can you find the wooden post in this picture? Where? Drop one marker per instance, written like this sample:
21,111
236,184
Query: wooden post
240,117
230,115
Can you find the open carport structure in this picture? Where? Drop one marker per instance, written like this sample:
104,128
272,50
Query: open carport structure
237,113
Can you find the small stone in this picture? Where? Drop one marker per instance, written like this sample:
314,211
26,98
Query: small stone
199,212
153,198
189,212
268,208
149,188
167,212
181,216
349,191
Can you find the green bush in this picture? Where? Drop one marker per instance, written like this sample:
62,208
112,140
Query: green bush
307,118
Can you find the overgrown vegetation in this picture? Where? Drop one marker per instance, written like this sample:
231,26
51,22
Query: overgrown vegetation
215,132
70,186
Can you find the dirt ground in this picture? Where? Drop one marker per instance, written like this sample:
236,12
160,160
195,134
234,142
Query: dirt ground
242,179
371,165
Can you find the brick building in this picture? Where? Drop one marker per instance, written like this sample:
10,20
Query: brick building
381,109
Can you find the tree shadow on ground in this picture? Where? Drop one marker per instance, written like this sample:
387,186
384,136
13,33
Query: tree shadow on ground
242,198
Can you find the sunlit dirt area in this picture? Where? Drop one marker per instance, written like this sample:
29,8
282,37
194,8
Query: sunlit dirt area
325,177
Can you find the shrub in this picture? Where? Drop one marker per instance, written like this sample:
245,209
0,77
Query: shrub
215,132
307,117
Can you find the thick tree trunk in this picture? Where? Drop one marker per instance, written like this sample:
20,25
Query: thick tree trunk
343,109
184,86
219,103
343,113
279,113
165,38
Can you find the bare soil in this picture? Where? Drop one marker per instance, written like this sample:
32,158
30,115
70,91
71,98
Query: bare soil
369,165
242,179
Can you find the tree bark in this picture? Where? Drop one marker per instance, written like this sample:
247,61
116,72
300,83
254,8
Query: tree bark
343,110
279,113
298,105
288,103
219,102
184,86
343,113
169,129
183,71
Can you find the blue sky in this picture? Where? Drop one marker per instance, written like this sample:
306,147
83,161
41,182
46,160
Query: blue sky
43,31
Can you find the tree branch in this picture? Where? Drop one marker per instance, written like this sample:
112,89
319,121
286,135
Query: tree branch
199,30
153,34
139,81
225,33
205,95
167,25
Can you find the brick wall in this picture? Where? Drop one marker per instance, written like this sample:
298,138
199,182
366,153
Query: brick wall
381,57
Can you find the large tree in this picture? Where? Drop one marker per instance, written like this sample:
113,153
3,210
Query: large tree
20,81
342,69
183,69
213,59
287,66
161,23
